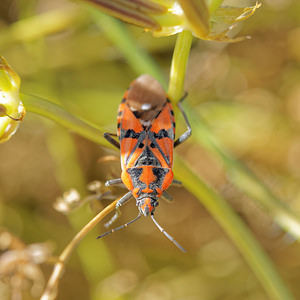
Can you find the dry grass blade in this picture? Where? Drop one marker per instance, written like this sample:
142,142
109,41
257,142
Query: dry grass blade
51,288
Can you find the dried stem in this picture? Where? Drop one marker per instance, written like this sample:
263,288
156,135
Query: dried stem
51,288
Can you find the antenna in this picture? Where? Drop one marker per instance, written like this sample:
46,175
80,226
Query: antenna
118,228
167,235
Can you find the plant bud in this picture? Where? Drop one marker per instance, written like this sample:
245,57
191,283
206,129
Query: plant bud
11,108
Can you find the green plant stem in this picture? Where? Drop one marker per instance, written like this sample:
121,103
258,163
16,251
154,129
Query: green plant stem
244,178
59,115
259,262
178,66
253,254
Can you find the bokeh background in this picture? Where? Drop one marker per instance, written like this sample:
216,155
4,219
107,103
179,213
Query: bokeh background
247,92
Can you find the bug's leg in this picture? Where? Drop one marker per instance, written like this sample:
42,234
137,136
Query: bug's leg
188,133
177,183
109,137
167,197
114,218
124,199
113,182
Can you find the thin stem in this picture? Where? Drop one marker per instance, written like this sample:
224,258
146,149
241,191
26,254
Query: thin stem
221,211
178,66
244,240
51,288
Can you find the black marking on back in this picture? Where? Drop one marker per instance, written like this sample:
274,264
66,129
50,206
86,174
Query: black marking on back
135,174
147,158
161,134
141,138
152,195
160,174
129,133
154,144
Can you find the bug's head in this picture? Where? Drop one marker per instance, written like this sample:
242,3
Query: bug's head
147,206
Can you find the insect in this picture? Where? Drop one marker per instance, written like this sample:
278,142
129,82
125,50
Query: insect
146,132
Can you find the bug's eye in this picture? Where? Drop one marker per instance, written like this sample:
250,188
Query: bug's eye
156,204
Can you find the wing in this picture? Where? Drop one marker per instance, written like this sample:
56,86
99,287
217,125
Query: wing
131,135
162,134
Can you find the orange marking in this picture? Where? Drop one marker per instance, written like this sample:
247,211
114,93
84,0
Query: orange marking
147,203
147,175
127,180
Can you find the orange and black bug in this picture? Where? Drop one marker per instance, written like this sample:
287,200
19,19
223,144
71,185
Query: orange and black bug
146,132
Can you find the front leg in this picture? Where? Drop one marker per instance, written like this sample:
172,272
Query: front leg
113,182
109,137
167,197
177,183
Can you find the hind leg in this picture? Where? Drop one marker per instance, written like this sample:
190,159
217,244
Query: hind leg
167,197
113,182
109,137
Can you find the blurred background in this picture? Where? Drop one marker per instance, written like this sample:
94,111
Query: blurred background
247,92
